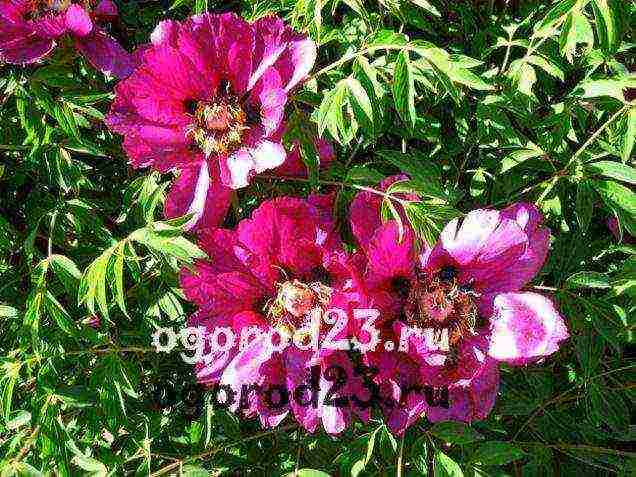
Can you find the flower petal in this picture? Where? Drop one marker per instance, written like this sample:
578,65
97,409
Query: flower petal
391,256
106,54
244,163
525,327
198,192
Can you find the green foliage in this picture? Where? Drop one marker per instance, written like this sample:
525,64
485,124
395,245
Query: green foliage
481,104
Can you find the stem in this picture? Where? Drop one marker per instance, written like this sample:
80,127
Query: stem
596,134
400,457
358,54
532,48
340,184
564,172
177,463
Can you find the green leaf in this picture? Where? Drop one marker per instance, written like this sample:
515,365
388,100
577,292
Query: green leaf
585,198
620,199
605,14
18,419
59,314
445,466
630,134
404,89
455,432
605,87
576,29
497,453
200,6
468,78
8,312
545,26
613,170
307,473
360,100
118,268
427,6
530,151
478,183
584,279
611,408
330,115
547,66
66,270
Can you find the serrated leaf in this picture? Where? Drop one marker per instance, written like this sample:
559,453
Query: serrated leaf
330,113
556,14
67,272
519,156
576,29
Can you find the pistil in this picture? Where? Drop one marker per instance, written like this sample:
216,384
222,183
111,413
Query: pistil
218,126
441,304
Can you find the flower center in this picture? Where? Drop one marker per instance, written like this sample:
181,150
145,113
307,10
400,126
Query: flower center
296,302
218,125
40,8
440,303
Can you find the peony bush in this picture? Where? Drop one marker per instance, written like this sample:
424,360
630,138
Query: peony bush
317,238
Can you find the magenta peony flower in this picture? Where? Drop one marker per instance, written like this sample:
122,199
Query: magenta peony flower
277,273
464,298
208,100
30,29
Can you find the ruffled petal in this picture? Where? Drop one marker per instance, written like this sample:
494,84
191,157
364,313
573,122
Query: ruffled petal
292,54
525,327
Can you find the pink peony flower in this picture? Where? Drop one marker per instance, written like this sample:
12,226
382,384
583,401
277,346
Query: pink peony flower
208,100
464,297
277,273
30,29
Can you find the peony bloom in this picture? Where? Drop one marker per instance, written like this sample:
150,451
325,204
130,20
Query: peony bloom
277,273
458,309
208,101
30,30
